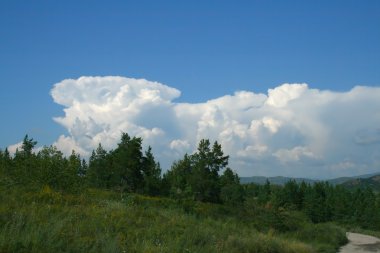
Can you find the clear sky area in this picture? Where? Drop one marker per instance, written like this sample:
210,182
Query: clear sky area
288,87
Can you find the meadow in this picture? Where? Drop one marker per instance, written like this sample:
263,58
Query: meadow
121,202
44,220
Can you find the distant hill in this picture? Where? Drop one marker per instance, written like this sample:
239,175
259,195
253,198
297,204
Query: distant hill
362,183
274,180
283,180
341,180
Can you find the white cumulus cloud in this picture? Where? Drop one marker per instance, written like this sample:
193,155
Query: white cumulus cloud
14,147
292,130
294,154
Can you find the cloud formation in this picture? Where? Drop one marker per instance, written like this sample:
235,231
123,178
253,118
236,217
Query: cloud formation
293,130
13,148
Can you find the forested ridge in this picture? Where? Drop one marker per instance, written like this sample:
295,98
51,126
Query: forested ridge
199,186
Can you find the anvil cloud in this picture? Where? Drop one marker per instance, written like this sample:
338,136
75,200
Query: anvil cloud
292,130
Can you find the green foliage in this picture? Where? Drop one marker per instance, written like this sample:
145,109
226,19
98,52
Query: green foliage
99,172
206,164
363,183
24,161
321,202
291,196
197,176
125,168
104,221
54,170
127,164
151,174
232,192
5,162
177,179
325,237
27,147
60,201
51,165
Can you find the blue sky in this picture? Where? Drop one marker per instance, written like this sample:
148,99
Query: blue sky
204,49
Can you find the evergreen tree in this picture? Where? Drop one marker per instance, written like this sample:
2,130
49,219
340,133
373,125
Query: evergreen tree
315,202
70,177
231,189
83,168
301,196
340,204
365,210
177,179
288,196
99,172
27,146
151,174
51,168
6,156
265,193
197,175
25,162
206,164
127,161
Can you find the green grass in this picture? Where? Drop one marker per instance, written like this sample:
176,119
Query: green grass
363,231
103,221
324,237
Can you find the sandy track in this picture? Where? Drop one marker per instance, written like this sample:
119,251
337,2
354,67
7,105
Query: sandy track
359,243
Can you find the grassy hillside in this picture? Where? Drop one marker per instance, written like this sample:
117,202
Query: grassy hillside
43,220
52,203
362,183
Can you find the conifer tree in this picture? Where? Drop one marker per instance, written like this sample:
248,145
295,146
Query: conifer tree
51,167
177,179
70,178
206,164
83,168
99,172
25,162
127,161
231,189
264,194
151,173
198,174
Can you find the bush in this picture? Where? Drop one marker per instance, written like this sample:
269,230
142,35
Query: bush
326,237
45,220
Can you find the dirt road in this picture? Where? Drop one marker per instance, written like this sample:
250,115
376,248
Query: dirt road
359,243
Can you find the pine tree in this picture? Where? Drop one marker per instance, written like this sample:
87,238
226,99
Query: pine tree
99,172
27,146
206,164
6,156
315,202
51,167
265,193
151,173
70,177
25,162
231,189
127,161
197,175
177,179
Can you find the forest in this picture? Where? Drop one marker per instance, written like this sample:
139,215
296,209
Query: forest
120,201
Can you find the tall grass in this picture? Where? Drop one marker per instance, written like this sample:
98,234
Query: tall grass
103,221
325,237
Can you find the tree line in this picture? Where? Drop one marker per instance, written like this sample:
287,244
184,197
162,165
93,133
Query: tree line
201,176
127,168
321,202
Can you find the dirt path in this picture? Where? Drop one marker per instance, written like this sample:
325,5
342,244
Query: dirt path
359,243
